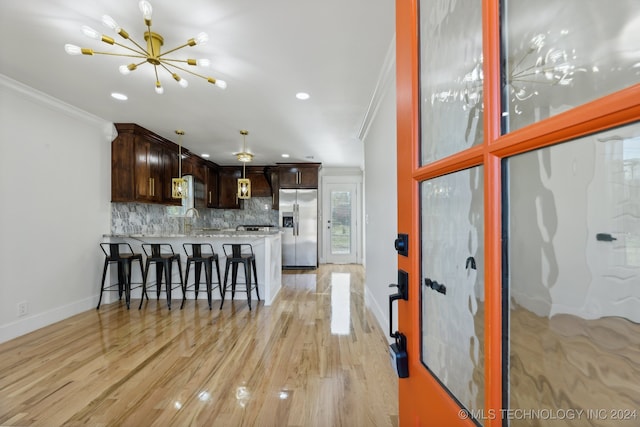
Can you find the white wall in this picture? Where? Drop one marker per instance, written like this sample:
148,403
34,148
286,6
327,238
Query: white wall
381,206
55,163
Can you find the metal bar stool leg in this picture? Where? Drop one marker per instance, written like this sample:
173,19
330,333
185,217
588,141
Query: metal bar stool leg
247,276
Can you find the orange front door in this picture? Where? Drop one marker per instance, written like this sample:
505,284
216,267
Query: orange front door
455,143
440,389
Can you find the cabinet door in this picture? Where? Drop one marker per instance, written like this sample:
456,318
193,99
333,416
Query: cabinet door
122,169
148,173
298,175
228,197
288,176
275,188
170,167
308,177
199,185
212,187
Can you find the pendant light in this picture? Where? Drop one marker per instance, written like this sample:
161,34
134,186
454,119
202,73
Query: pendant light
244,184
179,187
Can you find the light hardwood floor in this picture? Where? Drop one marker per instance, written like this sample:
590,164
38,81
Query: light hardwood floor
316,357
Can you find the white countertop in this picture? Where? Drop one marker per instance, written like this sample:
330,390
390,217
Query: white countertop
198,233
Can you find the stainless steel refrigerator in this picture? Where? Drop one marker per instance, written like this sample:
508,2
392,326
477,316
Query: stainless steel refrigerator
299,222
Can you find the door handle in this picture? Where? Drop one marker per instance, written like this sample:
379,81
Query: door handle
438,287
398,350
403,293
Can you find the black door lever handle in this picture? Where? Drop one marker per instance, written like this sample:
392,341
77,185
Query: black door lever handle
403,293
438,287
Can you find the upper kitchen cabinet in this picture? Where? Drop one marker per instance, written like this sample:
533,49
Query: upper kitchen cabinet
298,175
171,169
142,166
228,187
212,186
136,166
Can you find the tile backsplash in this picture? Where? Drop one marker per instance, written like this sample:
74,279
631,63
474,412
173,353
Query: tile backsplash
144,218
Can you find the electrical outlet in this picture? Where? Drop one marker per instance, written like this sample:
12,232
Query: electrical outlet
22,308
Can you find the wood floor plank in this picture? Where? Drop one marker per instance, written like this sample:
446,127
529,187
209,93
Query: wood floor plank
282,365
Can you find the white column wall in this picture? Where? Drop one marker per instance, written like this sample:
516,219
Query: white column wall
55,163
381,206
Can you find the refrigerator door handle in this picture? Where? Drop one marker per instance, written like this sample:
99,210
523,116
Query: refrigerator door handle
296,218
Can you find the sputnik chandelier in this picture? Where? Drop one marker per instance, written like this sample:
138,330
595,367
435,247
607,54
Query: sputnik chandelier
152,54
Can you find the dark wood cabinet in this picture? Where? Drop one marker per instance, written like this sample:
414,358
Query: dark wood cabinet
122,169
171,169
212,187
228,187
137,173
298,175
143,165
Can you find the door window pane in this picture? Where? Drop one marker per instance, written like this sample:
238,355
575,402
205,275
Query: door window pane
340,222
574,279
450,76
561,54
453,256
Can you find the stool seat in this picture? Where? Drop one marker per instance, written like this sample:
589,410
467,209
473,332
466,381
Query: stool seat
163,256
236,254
123,255
200,254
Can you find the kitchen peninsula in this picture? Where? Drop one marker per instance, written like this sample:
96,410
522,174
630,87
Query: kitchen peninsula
266,246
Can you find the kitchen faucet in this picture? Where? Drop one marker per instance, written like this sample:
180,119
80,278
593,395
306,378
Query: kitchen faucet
187,226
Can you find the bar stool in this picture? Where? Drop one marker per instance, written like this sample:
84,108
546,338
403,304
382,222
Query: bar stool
123,255
240,253
198,257
163,256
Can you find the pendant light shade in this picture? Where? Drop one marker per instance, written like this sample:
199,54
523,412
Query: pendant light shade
244,184
179,186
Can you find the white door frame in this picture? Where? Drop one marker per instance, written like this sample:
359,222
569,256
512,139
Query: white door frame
325,255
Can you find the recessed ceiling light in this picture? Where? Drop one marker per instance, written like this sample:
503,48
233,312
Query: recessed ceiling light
302,95
119,96
286,156
205,155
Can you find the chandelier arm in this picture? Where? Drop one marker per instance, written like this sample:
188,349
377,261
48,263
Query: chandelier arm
185,70
152,53
121,54
141,51
173,50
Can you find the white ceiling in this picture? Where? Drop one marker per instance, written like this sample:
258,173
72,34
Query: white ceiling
266,51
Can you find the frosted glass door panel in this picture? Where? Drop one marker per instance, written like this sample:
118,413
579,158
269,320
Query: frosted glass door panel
574,278
453,257
561,54
450,77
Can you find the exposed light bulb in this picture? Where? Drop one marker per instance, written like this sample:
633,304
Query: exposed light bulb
203,62
110,22
124,70
91,33
146,9
72,49
221,84
202,38
180,80
159,88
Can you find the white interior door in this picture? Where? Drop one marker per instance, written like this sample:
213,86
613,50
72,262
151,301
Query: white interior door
340,223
